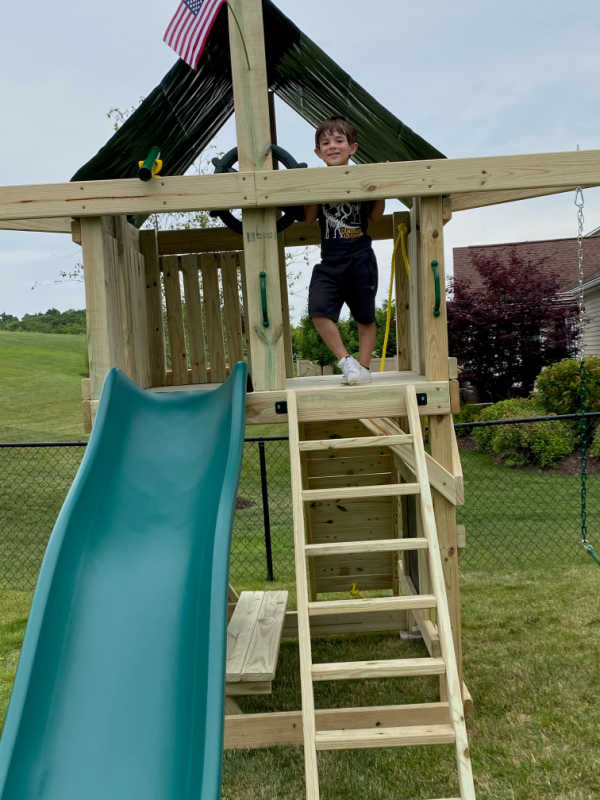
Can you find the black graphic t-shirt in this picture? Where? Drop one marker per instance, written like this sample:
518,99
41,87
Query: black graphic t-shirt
343,227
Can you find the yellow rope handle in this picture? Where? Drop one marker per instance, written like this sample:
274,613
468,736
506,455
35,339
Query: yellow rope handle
399,243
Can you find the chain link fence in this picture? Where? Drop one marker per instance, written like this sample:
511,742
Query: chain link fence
36,478
514,518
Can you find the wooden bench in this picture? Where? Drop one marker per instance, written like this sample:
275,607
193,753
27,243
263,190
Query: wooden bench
253,637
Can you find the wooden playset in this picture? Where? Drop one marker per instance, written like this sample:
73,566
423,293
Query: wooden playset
371,507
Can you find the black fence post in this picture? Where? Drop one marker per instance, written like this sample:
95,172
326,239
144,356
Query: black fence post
265,505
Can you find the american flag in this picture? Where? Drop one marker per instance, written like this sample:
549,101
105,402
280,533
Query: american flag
188,30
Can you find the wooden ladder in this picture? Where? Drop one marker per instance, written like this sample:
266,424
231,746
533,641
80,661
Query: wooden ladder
452,731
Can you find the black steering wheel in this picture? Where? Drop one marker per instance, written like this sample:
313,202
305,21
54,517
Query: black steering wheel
290,213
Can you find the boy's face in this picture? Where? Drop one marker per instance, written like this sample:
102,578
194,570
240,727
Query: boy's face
335,149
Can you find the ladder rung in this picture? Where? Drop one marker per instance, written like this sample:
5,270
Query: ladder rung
403,603
359,441
346,492
385,737
372,546
385,668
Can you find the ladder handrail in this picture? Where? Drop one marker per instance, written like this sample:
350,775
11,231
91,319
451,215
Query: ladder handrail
463,760
304,645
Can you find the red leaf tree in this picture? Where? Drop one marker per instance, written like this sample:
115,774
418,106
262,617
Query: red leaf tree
505,332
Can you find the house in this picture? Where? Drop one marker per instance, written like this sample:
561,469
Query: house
559,257
591,319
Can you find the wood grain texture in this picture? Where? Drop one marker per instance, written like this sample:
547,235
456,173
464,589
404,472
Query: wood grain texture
297,187
253,636
177,346
285,727
194,317
221,239
210,264
154,315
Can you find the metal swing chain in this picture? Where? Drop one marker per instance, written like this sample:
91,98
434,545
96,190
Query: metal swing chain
583,425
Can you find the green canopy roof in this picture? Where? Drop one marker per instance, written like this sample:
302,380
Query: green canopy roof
185,111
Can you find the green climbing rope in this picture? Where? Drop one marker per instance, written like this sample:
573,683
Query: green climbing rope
583,422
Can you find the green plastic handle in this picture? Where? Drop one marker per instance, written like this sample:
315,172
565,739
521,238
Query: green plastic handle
263,299
145,171
436,278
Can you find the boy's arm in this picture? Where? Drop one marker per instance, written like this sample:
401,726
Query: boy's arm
310,213
377,210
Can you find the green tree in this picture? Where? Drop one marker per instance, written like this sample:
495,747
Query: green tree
50,321
308,344
8,322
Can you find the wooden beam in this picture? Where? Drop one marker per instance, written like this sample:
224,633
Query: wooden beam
429,178
334,623
448,484
344,403
462,201
266,189
219,239
50,225
339,403
127,196
285,727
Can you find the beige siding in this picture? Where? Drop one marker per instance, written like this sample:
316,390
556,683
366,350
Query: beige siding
591,336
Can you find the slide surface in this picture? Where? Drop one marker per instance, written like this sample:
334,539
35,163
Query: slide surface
120,686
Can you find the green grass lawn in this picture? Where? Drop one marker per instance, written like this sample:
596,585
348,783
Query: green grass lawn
531,609
517,518
531,659
40,376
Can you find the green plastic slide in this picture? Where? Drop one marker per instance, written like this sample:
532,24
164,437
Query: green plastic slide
120,686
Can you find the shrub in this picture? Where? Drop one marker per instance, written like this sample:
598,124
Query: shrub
594,450
516,407
468,413
542,443
550,441
558,386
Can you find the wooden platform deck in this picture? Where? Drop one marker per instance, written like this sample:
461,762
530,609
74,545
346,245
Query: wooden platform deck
324,397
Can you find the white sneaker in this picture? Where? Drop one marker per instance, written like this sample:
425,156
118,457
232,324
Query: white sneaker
351,369
365,375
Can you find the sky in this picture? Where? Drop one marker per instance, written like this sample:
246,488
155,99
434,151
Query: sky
474,78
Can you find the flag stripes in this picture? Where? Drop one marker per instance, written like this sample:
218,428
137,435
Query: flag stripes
190,26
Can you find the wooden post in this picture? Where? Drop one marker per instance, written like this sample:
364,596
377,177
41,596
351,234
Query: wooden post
104,308
248,66
413,289
154,306
403,305
133,295
285,304
434,365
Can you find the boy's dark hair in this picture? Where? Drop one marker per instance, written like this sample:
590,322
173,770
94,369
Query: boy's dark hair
336,125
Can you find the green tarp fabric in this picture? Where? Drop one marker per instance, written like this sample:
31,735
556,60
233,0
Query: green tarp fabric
188,107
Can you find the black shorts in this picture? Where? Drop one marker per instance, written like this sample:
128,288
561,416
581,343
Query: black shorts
350,279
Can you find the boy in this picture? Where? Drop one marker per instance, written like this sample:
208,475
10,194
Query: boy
348,269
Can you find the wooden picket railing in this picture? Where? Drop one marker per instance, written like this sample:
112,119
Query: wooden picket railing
205,324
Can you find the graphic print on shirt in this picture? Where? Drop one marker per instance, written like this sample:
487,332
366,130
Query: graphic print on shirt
338,216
